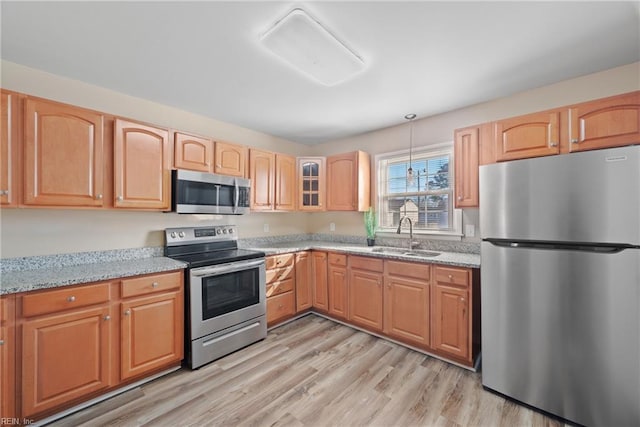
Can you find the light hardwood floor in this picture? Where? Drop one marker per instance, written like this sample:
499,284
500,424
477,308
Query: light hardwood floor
314,372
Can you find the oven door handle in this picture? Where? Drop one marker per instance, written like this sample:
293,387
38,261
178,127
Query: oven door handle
226,268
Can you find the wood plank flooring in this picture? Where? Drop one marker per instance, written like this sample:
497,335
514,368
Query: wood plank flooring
314,372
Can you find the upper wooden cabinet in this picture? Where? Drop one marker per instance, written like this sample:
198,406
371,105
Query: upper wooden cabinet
466,157
348,182
9,150
533,135
230,159
193,152
311,183
63,155
273,179
142,162
604,123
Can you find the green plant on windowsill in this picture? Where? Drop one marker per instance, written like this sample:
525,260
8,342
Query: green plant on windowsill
370,225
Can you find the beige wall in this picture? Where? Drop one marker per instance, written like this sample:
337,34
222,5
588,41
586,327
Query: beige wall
25,232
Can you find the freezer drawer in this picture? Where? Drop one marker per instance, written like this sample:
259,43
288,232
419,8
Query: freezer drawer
561,331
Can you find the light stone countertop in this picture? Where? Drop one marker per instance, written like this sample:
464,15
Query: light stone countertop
445,258
57,276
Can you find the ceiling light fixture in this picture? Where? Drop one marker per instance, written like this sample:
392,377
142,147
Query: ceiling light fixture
410,176
306,45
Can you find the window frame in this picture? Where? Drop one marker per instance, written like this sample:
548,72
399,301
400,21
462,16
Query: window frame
454,233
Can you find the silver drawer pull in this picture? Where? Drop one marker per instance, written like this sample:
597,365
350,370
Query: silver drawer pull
127,312
1,342
71,298
107,317
154,285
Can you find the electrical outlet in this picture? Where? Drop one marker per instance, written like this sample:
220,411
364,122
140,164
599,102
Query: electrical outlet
332,226
265,228
470,230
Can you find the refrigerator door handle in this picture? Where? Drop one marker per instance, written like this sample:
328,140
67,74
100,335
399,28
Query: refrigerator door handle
604,248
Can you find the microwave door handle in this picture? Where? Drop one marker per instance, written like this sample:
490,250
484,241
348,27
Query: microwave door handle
217,195
236,196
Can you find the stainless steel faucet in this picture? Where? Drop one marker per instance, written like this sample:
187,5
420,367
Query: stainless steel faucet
410,230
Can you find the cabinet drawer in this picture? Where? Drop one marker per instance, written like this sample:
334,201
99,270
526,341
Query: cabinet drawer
338,259
279,287
150,284
280,306
275,274
409,269
453,276
364,263
64,299
279,261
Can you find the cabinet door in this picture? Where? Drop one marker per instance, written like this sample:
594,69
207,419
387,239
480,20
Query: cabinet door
533,135
338,291
9,150
151,333
230,159
261,172
320,282
285,183
193,153
609,122
63,155
466,158
64,357
451,320
311,184
342,179
304,281
365,299
406,305
7,357
142,166
280,307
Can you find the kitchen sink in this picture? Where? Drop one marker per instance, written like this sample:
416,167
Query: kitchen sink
418,253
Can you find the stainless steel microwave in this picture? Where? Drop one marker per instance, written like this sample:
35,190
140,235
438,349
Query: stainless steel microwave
208,193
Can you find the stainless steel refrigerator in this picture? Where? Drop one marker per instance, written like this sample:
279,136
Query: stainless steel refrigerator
560,284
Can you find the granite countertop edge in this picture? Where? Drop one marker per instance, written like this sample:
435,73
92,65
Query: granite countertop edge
54,277
446,258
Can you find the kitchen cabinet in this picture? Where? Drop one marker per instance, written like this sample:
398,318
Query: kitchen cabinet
281,284
63,155
311,184
7,357
451,317
366,292
533,135
262,166
337,283
9,149
142,162
193,152
230,159
605,123
66,346
406,302
272,181
320,286
152,323
348,182
466,160
304,281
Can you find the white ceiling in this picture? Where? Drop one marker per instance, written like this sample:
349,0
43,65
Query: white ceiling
422,57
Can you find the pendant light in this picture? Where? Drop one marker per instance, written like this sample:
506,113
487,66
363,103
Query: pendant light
410,175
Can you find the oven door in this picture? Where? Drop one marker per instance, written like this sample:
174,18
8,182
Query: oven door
225,295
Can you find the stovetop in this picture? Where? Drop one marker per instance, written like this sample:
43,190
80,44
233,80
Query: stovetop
217,257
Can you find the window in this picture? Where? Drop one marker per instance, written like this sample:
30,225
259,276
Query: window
428,200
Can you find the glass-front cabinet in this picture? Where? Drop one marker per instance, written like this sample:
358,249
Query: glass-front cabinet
311,180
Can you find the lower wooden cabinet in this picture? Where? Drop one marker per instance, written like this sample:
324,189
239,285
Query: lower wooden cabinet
65,356
7,357
319,271
281,284
304,282
337,283
280,307
366,292
152,333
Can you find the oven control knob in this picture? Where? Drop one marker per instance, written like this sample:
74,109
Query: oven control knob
181,234
219,231
224,231
173,234
231,231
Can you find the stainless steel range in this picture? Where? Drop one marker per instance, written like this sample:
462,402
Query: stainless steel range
225,292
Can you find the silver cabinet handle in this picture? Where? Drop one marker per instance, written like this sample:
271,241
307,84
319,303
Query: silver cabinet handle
450,277
575,141
71,298
127,312
120,198
460,197
4,192
99,197
154,285
553,144
1,342
107,317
